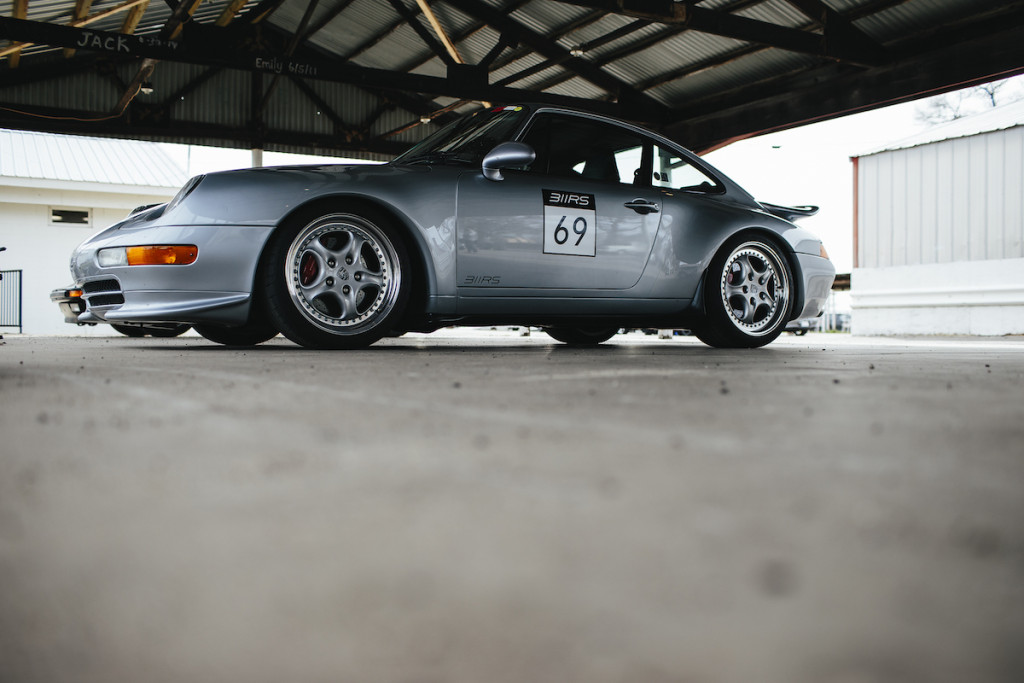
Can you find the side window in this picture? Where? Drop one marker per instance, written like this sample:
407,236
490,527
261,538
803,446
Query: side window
576,147
675,172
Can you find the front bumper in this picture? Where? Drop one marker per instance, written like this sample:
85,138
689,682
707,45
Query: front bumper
71,304
216,288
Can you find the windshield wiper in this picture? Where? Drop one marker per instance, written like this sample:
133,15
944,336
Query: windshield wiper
436,157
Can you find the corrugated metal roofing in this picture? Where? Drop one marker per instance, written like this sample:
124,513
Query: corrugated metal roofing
656,63
88,160
1002,117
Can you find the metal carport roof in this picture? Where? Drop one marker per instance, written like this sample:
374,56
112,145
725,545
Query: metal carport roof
369,77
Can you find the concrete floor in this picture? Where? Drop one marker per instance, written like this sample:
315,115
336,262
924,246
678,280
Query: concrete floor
482,507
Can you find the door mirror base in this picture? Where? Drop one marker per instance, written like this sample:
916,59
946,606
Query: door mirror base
506,155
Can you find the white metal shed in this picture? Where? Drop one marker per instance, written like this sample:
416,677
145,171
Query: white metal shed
939,230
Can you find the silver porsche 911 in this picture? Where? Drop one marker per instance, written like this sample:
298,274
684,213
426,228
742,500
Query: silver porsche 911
514,215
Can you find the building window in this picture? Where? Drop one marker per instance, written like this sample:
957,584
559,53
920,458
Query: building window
61,216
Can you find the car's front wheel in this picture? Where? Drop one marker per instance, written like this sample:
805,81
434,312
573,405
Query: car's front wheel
336,280
748,294
165,330
252,333
581,336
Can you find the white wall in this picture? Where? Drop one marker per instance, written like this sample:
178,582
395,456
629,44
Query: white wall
955,200
42,250
969,297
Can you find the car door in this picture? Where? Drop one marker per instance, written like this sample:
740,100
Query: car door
582,217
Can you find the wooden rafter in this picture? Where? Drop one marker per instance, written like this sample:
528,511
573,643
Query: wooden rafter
738,27
126,5
81,10
505,41
609,37
293,43
439,30
19,11
328,16
229,12
410,18
621,91
171,30
131,22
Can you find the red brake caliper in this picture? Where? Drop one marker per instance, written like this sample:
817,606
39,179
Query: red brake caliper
308,269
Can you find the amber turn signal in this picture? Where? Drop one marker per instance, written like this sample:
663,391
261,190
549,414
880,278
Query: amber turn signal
162,255
824,252
73,294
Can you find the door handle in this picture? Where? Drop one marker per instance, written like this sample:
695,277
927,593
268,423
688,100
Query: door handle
642,206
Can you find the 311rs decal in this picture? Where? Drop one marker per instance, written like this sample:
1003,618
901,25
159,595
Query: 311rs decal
570,223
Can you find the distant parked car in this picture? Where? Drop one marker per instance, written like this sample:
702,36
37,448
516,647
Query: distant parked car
802,327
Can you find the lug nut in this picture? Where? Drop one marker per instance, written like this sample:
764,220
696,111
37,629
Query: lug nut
331,263
330,282
357,277
348,260
346,289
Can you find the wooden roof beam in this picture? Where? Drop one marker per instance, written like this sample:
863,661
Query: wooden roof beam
737,27
229,13
410,18
18,11
640,105
439,30
131,22
81,10
126,5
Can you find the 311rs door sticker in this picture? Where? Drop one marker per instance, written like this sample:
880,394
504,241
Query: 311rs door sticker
570,223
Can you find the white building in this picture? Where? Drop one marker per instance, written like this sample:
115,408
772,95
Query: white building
57,190
939,230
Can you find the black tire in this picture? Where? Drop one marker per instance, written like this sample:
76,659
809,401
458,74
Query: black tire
336,279
748,294
129,330
136,331
581,336
252,333
168,332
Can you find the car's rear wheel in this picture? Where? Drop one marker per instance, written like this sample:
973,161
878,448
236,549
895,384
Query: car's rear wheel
336,280
748,294
581,336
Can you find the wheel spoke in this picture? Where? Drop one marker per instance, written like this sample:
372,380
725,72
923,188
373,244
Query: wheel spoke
320,251
354,251
318,288
366,279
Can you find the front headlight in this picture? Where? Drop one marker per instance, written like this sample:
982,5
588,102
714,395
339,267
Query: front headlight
148,255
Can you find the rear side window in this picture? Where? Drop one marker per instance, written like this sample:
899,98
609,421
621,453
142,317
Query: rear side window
576,147
675,172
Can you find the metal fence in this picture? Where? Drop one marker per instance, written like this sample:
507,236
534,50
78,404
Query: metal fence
10,299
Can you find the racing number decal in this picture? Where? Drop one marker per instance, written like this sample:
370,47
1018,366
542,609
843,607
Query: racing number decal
570,223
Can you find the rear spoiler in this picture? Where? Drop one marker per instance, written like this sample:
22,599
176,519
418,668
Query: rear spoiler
789,213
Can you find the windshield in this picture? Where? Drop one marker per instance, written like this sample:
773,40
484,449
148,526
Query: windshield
468,139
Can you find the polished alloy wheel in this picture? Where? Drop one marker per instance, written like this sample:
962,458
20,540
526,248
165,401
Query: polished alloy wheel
343,273
755,288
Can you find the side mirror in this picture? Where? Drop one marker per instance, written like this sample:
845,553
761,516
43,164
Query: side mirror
506,155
